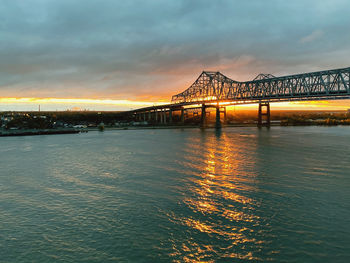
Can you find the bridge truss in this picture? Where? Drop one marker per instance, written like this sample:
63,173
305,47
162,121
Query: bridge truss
216,87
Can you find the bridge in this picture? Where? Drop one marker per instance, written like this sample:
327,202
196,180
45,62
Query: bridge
215,90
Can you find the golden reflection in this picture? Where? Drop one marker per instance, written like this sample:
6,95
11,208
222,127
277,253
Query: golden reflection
220,200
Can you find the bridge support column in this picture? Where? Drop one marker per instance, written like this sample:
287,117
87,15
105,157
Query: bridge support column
164,114
203,117
182,115
149,116
144,116
225,118
161,116
218,122
170,116
156,116
265,114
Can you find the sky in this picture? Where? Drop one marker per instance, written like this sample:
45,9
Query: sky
117,55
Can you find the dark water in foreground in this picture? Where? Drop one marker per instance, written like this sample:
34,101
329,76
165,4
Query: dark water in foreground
177,196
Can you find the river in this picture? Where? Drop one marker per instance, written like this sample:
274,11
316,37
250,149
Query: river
171,195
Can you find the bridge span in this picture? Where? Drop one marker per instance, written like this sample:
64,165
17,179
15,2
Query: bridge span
215,90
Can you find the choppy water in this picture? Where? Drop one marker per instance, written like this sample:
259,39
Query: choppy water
177,196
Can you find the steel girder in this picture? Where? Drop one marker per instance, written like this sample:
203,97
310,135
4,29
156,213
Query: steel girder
214,86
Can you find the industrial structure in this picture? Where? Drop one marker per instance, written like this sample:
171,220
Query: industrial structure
215,90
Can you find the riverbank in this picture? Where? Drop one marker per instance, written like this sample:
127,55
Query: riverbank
175,127
32,132
7,133
107,128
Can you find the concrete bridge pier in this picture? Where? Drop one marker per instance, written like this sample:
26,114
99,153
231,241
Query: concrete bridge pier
182,115
170,116
203,117
220,110
164,116
217,121
264,115
225,118
161,116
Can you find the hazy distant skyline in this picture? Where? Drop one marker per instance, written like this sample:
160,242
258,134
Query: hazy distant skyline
150,50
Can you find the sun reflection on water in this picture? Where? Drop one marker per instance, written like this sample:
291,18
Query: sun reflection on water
220,204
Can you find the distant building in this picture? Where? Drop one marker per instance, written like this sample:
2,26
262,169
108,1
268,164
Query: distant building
6,118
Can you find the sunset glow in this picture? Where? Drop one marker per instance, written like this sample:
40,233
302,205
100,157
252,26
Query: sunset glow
113,104
73,103
76,101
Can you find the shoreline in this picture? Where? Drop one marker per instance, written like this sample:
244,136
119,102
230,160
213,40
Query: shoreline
36,132
6,133
207,127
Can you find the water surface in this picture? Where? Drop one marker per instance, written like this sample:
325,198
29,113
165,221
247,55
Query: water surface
241,195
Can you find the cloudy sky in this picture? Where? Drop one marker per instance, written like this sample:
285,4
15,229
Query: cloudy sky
146,51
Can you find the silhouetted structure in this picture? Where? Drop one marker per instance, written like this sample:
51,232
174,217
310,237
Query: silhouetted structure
213,89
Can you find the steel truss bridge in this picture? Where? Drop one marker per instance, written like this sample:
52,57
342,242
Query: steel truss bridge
213,89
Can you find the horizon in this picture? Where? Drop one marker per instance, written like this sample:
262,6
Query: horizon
60,104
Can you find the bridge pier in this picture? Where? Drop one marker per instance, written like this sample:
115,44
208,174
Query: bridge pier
203,117
262,114
164,116
161,116
225,115
182,115
217,121
170,116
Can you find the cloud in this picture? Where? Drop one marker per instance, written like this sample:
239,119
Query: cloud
153,49
317,34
